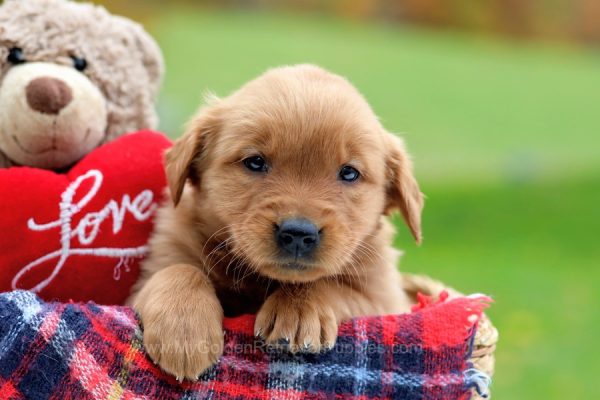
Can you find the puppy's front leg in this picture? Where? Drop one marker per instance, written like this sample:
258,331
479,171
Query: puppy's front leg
182,320
306,317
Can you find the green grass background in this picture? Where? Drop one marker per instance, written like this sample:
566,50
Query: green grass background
506,141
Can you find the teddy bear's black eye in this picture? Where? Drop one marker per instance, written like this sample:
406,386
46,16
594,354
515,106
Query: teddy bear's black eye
255,164
349,174
15,56
79,63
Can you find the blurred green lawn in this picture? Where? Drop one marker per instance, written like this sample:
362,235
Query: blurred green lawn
506,141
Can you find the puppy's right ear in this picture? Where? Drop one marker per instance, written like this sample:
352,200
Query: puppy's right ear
183,159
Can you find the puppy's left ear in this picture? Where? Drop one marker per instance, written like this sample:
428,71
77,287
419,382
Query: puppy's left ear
403,192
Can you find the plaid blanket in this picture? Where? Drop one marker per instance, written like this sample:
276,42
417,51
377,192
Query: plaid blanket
86,351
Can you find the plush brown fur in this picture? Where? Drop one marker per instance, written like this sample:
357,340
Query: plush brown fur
213,252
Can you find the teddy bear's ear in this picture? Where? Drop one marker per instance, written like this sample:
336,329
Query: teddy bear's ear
184,159
151,55
148,52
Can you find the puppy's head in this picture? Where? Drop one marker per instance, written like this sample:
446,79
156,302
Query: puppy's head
297,168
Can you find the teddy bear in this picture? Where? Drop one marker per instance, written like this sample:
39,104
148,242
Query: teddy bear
72,77
81,171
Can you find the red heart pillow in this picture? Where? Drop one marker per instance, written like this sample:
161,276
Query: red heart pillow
81,235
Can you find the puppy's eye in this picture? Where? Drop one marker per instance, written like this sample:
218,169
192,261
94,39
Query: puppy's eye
80,64
255,164
15,56
349,174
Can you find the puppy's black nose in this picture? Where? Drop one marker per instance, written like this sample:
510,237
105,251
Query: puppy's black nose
297,237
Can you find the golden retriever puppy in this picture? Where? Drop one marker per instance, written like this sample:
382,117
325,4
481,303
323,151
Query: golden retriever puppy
279,196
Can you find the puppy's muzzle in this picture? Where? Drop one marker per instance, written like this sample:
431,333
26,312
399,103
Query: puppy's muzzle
297,237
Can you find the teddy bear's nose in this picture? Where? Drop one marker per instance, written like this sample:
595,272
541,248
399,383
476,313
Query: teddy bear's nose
48,95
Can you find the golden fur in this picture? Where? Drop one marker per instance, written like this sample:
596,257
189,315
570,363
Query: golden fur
213,253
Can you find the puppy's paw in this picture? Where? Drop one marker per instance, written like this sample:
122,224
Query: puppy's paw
183,344
296,324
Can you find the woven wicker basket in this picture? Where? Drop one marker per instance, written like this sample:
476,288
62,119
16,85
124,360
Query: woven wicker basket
486,336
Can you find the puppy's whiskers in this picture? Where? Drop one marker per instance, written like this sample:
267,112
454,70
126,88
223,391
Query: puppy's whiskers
220,246
209,239
247,266
217,232
362,279
236,259
365,250
369,252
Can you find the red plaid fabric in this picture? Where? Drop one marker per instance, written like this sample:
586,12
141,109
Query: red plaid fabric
85,351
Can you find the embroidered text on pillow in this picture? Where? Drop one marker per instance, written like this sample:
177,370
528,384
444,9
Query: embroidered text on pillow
141,207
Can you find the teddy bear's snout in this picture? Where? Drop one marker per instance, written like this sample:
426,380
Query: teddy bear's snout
50,115
48,95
